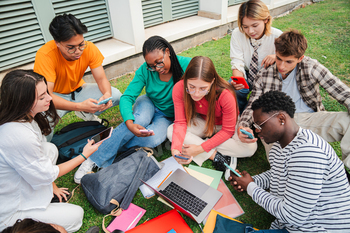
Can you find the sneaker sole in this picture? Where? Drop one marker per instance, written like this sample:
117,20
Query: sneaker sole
233,165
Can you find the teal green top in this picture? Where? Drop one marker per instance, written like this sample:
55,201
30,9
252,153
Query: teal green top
158,91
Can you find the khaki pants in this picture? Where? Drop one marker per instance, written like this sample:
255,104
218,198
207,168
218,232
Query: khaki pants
231,147
331,126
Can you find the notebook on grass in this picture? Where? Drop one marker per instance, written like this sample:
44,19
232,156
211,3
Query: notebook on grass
166,222
228,204
127,219
188,195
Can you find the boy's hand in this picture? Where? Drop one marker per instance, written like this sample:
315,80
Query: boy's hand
240,183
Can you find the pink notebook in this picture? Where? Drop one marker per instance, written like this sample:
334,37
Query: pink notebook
128,219
227,204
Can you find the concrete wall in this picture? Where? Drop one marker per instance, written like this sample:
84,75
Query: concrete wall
123,52
131,63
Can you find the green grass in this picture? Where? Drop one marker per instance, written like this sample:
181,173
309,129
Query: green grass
326,26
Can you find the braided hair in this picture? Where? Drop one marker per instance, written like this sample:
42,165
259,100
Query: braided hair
159,43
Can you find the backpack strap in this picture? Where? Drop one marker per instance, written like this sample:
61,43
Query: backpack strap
80,137
81,124
115,212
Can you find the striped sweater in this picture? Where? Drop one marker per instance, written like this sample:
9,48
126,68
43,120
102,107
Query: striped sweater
309,190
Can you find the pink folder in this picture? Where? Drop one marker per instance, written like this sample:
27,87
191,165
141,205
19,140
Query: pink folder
133,214
227,204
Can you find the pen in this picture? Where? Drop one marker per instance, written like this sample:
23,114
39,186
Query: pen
146,220
134,220
236,173
165,179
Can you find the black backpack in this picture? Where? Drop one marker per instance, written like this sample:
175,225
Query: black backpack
71,139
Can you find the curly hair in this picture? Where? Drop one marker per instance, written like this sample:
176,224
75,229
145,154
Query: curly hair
275,101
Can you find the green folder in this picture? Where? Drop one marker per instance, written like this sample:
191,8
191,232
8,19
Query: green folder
209,172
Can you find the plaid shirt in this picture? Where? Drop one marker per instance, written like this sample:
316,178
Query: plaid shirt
309,75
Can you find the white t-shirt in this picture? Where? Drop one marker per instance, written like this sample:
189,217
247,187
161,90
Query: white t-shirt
26,170
241,51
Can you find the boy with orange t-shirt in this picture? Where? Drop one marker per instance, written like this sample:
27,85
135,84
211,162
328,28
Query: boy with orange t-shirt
63,62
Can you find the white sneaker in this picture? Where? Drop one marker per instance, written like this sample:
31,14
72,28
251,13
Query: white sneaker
233,165
85,168
86,116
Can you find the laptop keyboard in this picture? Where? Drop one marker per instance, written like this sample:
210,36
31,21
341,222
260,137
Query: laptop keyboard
183,198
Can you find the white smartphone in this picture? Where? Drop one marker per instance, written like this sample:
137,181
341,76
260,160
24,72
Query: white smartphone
105,134
146,131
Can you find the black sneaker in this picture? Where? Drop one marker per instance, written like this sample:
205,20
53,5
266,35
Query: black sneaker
219,161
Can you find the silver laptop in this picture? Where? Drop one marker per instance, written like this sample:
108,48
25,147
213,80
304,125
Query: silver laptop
188,195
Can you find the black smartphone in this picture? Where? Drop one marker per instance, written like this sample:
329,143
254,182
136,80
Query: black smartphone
103,135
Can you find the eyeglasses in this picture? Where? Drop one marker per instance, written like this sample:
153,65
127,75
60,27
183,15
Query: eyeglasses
157,65
192,90
259,126
73,49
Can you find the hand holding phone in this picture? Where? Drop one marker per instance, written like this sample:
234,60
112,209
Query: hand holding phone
247,133
146,131
236,173
104,101
240,80
103,135
181,157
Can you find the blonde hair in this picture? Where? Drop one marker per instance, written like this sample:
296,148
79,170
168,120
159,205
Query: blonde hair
255,9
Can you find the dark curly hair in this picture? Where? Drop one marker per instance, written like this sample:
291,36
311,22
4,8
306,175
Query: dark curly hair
275,101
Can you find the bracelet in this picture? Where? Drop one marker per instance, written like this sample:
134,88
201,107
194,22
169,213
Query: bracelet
83,156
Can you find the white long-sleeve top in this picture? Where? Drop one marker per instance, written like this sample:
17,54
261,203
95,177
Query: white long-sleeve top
241,51
26,172
309,190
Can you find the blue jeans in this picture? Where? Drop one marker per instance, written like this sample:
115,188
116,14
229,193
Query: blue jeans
242,99
90,90
146,115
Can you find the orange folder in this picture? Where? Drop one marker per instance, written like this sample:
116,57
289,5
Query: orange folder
211,221
163,224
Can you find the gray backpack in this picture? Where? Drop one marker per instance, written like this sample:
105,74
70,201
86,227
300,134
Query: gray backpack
120,180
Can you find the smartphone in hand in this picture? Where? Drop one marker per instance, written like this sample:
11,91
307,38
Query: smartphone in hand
240,80
104,101
146,131
247,133
103,135
181,157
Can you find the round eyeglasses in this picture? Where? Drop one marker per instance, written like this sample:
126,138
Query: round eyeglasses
191,91
81,47
258,126
157,65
